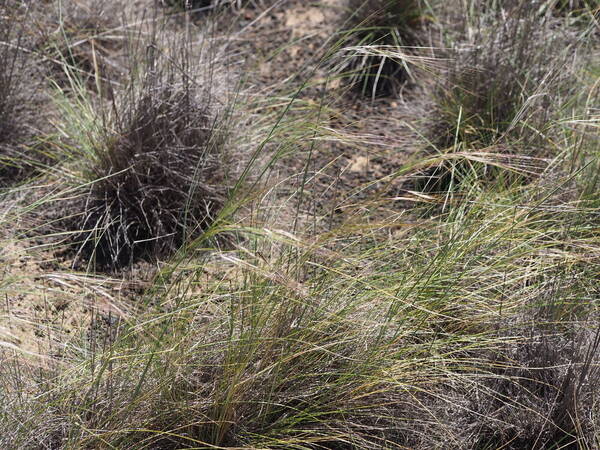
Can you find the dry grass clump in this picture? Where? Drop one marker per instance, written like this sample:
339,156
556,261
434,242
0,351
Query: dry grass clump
534,386
157,180
543,393
535,390
503,78
465,321
510,68
14,91
155,162
382,25
455,335
82,36
207,5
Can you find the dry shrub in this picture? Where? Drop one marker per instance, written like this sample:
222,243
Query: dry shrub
387,23
158,165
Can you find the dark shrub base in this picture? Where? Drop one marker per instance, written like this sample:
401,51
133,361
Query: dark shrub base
157,178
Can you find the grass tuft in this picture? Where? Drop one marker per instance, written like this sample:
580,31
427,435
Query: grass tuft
12,89
502,72
346,311
387,24
510,67
155,162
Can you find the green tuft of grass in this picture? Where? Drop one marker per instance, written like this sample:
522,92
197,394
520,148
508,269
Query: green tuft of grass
466,319
470,329
503,72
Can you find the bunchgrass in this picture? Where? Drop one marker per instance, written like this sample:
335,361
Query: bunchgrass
384,25
13,90
153,159
504,80
472,328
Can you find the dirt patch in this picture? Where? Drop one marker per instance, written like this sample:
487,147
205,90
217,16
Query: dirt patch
45,306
